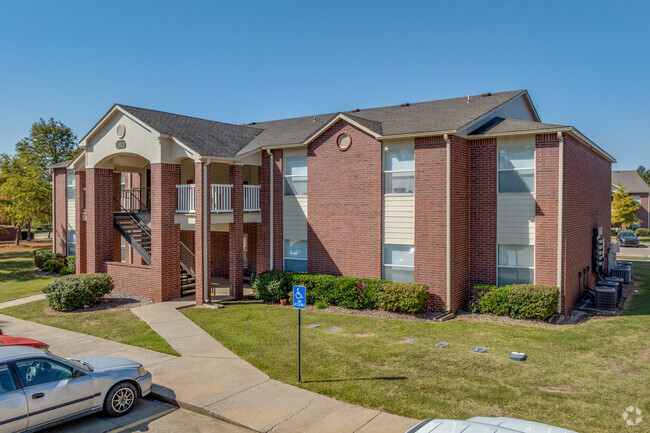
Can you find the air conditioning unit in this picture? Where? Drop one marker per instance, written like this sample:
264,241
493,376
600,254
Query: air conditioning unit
620,282
623,272
614,285
614,247
605,298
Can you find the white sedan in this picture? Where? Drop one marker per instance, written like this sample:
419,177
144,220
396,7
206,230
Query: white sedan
481,424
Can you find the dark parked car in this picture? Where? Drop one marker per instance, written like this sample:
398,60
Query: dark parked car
628,239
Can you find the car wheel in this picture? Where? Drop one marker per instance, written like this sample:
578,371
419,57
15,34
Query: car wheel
120,399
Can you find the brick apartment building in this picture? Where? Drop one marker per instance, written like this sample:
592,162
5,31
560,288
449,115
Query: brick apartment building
634,184
447,193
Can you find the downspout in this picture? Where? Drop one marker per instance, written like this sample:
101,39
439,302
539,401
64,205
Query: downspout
448,220
53,210
206,230
559,216
268,151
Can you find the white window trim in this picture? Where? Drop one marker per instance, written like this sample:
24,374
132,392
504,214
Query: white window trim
384,171
533,168
290,176
518,267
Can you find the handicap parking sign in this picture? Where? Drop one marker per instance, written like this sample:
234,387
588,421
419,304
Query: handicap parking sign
299,297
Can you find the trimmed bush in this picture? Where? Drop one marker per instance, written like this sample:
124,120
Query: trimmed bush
519,301
402,297
271,286
54,266
642,232
346,292
65,271
42,256
72,292
72,263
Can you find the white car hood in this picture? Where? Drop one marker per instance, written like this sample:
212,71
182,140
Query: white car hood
487,425
102,363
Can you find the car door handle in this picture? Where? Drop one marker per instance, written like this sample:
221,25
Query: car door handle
38,395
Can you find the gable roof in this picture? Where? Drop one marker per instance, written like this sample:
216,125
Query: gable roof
630,180
62,164
499,125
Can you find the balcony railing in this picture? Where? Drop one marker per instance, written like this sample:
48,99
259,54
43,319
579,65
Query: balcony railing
185,198
220,198
252,198
135,200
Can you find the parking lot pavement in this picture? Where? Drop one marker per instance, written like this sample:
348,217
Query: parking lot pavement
148,416
641,251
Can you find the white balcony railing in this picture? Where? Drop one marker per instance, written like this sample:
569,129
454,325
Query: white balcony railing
185,198
220,195
251,198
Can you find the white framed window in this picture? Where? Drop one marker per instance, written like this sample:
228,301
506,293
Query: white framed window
516,265
295,255
295,175
399,168
69,184
123,256
245,248
398,263
516,168
637,198
71,242
123,181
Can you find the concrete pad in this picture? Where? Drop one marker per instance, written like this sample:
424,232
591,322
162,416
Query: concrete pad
202,345
157,313
325,415
177,328
205,381
388,423
264,406
147,358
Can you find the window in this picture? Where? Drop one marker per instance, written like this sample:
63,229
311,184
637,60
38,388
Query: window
516,168
6,381
72,236
245,250
398,263
122,181
295,175
516,265
69,184
399,169
37,371
637,198
123,250
295,255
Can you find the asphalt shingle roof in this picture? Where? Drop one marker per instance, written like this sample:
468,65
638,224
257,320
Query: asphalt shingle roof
630,180
498,125
61,164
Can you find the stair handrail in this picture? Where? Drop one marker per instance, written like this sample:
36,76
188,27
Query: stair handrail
133,216
187,258
137,197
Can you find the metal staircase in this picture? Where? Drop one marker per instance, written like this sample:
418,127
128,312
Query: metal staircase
188,275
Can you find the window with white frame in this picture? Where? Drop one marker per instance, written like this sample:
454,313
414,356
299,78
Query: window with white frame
516,168
295,175
516,265
71,241
123,256
637,198
295,255
398,263
69,184
399,168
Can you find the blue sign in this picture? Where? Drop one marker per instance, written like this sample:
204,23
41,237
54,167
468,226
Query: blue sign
299,297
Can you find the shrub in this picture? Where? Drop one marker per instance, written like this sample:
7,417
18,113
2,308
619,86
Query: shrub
72,263
320,305
346,292
642,232
402,297
74,291
54,266
271,286
65,271
42,256
519,301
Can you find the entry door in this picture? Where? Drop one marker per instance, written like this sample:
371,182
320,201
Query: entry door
13,404
54,390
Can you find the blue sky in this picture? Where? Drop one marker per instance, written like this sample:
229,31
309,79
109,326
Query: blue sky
584,63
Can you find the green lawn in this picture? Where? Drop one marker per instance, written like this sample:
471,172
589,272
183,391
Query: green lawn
116,325
16,280
580,377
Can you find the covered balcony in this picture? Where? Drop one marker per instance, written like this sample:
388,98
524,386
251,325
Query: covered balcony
220,198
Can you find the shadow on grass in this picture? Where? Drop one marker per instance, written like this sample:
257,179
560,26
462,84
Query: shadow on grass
386,378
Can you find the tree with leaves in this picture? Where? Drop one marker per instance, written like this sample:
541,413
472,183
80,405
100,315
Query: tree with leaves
624,208
644,173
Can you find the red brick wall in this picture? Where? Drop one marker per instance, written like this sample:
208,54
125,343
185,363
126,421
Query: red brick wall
278,232
430,218
99,219
165,234
201,197
60,212
187,237
250,229
262,249
235,241
460,248
7,233
483,211
642,214
546,212
344,204
80,205
587,204
117,237
137,280
220,254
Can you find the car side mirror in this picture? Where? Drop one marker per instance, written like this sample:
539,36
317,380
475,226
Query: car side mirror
78,373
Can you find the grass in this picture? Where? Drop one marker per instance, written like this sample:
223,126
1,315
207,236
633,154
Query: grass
16,279
580,377
115,325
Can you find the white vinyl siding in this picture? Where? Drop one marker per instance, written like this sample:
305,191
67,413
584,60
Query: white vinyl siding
399,219
294,215
516,219
516,264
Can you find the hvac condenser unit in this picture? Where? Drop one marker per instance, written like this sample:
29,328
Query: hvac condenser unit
620,282
605,298
614,285
623,272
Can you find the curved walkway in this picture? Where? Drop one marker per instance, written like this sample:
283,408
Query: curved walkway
210,379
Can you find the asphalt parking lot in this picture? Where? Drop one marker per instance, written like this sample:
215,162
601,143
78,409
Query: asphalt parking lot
148,416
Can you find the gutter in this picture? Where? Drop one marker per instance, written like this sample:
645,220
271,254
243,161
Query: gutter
560,195
268,151
206,230
448,220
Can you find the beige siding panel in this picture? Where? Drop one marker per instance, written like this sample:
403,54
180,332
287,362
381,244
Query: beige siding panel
516,219
71,217
399,219
294,213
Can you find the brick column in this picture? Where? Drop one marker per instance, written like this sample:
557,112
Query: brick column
60,211
99,219
117,237
80,206
236,232
546,212
278,232
165,234
264,228
202,245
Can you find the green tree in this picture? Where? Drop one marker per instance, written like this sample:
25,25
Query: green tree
644,173
624,208
49,142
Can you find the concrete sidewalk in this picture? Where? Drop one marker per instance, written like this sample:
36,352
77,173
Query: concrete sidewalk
211,379
21,301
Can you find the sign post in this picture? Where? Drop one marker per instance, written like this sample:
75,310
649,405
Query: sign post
299,303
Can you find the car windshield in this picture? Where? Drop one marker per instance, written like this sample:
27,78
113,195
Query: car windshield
79,365
628,235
